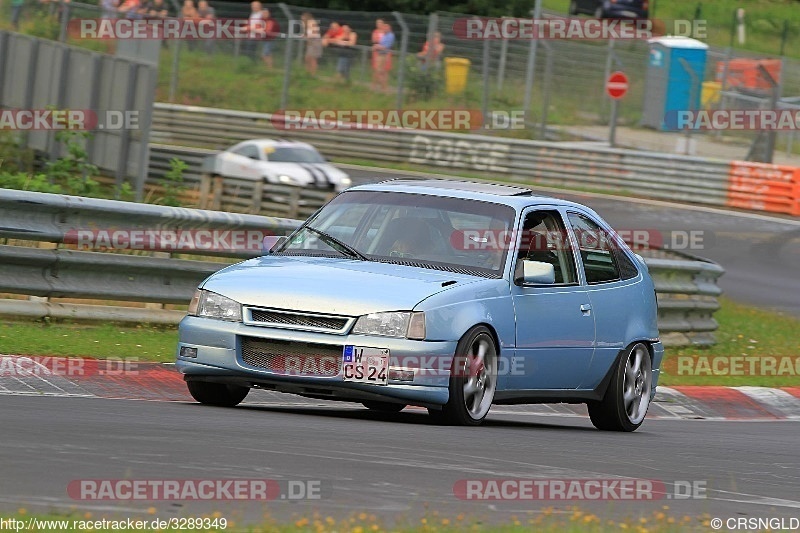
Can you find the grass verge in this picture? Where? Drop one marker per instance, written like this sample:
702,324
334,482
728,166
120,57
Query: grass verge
744,332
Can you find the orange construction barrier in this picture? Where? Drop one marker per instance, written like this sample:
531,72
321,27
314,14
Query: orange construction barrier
745,74
796,211
764,187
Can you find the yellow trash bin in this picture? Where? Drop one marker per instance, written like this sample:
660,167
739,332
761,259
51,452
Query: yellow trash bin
456,70
710,94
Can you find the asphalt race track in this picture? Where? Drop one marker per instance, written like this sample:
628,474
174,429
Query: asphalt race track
397,465
760,253
401,466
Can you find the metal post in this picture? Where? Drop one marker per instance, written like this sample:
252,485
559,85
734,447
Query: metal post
501,67
173,81
610,57
62,34
773,104
433,24
403,51
784,36
287,58
548,75
530,72
125,134
612,131
724,86
145,126
692,97
485,70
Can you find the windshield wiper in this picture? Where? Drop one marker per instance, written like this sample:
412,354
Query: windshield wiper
332,241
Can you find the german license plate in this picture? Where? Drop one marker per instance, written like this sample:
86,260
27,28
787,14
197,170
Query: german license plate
361,364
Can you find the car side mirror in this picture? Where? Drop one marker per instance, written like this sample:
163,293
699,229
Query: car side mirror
271,243
537,273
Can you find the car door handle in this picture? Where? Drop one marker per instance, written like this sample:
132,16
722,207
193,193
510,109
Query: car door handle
586,309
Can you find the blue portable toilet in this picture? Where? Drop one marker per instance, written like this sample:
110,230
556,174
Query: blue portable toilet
668,85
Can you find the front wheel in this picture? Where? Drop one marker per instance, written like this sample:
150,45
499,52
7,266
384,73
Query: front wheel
218,394
473,380
628,396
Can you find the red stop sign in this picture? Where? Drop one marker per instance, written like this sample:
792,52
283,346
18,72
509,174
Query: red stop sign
617,85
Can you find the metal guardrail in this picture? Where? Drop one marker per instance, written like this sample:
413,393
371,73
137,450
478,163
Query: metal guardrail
534,162
686,286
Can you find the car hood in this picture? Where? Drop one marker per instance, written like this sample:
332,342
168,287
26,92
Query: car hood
321,173
326,285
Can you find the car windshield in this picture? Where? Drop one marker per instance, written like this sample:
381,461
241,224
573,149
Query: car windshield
411,229
294,154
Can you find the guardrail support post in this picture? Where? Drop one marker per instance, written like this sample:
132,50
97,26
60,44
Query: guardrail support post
258,195
216,196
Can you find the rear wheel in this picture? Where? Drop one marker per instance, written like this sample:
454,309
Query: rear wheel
384,407
473,380
628,396
218,394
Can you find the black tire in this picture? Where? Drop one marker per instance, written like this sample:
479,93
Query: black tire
625,404
218,394
464,409
384,407
573,8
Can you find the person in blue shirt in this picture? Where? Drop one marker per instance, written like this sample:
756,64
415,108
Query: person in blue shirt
383,56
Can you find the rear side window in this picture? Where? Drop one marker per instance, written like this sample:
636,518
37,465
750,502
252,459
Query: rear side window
603,260
248,150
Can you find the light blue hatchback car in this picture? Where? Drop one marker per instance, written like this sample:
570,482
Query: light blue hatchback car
443,294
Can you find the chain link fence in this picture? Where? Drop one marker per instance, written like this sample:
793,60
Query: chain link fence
565,87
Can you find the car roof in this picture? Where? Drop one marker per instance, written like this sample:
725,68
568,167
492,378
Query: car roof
263,143
513,195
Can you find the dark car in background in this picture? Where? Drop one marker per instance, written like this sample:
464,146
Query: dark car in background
616,9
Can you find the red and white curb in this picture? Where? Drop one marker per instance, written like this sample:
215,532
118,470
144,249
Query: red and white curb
93,378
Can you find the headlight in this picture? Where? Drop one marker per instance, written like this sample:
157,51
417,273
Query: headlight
397,324
283,178
209,304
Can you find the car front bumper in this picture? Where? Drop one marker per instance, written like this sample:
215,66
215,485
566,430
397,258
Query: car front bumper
219,359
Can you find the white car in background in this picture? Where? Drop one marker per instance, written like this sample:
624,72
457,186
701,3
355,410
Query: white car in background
280,162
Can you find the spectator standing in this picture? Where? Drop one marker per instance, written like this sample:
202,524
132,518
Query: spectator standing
431,54
155,9
16,12
377,33
313,37
272,30
189,12
206,13
345,46
384,58
255,26
109,8
130,8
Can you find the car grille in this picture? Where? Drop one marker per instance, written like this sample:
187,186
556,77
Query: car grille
271,317
290,357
